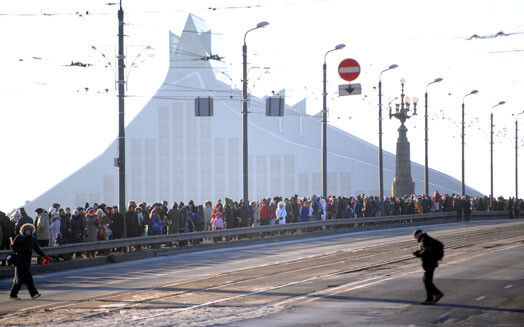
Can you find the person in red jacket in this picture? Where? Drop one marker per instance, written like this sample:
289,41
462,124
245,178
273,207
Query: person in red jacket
265,213
436,201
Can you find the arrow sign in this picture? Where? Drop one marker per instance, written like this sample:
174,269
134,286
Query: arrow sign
349,89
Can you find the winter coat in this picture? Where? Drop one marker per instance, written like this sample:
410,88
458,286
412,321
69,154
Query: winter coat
92,228
53,229
23,246
196,223
256,216
117,225
174,217
245,215
8,230
265,213
295,207
304,213
184,219
65,225
155,225
78,227
281,213
218,221
207,214
132,224
426,253
317,208
273,208
289,213
324,209
229,217
42,227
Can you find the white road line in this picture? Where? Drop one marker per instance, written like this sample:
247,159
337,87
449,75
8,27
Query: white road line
482,225
351,286
508,286
480,298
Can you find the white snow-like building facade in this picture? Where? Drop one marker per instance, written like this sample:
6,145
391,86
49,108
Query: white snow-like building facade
173,155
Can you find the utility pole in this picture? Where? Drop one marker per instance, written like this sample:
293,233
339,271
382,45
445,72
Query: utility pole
245,156
324,123
121,127
245,170
380,160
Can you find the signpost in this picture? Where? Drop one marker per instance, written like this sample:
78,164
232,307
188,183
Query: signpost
349,69
349,89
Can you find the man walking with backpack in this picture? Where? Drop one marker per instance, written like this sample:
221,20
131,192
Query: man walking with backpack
431,251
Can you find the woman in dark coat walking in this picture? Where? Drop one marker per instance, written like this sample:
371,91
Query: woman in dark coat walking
23,246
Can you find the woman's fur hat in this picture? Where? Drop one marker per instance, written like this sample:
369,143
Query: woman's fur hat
27,226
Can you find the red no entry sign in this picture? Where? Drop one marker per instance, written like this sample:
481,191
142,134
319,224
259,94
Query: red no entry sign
349,69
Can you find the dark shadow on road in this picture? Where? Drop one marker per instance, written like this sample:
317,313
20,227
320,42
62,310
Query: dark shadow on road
178,291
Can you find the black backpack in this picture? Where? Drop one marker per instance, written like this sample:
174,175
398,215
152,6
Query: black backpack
437,249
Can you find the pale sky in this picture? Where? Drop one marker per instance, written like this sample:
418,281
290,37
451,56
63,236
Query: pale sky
54,119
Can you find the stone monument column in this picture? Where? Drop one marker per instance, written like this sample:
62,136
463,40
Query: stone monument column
402,183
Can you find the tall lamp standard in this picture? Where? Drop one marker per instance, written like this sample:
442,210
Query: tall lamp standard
121,123
380,161
324,125
491,143
244,114
426,175
463,188
517,155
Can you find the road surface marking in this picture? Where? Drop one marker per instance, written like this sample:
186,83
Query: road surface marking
508,286
480,298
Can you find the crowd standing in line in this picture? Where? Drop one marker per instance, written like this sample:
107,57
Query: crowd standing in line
99,222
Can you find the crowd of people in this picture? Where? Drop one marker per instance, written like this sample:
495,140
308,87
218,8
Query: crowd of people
98,222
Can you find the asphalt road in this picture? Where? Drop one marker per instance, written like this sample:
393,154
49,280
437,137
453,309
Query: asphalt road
355,279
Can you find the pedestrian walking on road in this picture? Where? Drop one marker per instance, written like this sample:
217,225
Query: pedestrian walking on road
430,252
23,245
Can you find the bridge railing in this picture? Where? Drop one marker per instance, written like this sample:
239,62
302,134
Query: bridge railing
259,230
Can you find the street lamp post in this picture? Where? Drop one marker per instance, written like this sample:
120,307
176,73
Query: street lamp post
491,153
463,188
426,175
245,193
380,161
324,125
517,155
121,122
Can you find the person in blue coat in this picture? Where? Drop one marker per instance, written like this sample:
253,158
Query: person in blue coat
304,212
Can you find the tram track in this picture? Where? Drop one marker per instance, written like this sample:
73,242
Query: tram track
314,267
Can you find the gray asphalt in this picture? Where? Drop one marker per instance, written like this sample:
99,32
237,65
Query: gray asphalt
487,290
483,286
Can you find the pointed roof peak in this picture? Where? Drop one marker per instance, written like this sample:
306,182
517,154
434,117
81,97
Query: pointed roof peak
195,24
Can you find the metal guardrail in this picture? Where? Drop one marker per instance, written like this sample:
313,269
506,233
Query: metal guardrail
348,223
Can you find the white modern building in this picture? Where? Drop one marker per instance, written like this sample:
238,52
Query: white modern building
173,155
